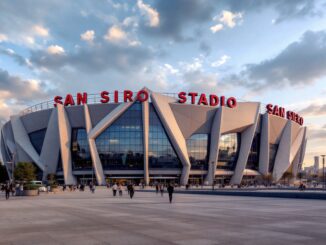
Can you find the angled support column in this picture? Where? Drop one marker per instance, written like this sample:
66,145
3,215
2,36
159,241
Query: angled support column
264,146
22,140
162,106
65,143
214,145
247,137
51,146
92,147
145,115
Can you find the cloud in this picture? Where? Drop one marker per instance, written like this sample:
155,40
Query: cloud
88,36
216,28
150,13
55,50
18,58
314,110
118,36
3,37
221,61
226,18
40,31
300,63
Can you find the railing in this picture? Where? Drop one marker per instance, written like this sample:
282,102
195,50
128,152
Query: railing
96,99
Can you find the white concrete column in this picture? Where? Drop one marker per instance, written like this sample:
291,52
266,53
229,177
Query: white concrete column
214,145
65,145
98,169
145,115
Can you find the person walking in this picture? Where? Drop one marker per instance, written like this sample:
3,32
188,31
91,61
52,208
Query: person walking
170,190
92,187
7,190
156,188
120,190
114,189
131,190
162,189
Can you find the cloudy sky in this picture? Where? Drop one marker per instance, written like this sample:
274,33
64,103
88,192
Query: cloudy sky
267,51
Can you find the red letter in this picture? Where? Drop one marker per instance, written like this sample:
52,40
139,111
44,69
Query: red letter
127,95
275,110
57,100
301,121
69,100
202,100
231,102
105,97
116,96
193,95
222,100
182,97
213,100
142,95
289,115
282,112
81,98
269,108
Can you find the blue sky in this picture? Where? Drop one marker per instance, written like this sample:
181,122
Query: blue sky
268,51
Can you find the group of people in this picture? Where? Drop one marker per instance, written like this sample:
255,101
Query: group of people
169,188
118,188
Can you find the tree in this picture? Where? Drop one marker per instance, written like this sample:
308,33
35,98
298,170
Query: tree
25,171
3,174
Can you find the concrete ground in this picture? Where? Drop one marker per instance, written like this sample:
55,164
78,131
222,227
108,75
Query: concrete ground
85,218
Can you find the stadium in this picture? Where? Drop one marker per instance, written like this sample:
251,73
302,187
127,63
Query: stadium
149,137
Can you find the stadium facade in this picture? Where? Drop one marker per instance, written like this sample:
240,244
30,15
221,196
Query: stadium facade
148,137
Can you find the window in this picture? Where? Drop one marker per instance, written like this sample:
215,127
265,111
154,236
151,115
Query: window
80,154
197,146
120,146
160,151
37,139
228,151
253,158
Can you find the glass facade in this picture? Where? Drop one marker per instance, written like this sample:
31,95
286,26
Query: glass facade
228,151
197,146
80,154
272,155
37,139
253,158
59,166
120,146
161,154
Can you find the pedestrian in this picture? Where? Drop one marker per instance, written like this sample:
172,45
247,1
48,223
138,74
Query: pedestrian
64,187
170,190
92,187
162,189
114,189
156,187
131,190
7,190
120,190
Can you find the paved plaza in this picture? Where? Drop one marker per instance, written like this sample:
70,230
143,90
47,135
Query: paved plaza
85,218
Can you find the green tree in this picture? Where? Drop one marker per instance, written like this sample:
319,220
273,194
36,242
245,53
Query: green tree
25,171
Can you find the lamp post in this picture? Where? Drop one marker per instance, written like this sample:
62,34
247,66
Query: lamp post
323,156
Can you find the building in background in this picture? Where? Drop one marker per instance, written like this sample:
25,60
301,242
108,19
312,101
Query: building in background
156,140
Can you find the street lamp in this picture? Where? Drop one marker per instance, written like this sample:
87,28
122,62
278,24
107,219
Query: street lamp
323,156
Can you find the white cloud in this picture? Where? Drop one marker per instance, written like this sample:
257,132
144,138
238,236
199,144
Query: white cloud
55,49
228,18
88,36
41,31
152,14
170,69
116,35
221,61
216,28
3,37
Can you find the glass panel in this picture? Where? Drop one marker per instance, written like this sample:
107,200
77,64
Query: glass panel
120,146
228,151
37,139
80,154
253,159
160,151
197,146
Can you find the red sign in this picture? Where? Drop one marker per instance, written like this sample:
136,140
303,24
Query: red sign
280,111
142,95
